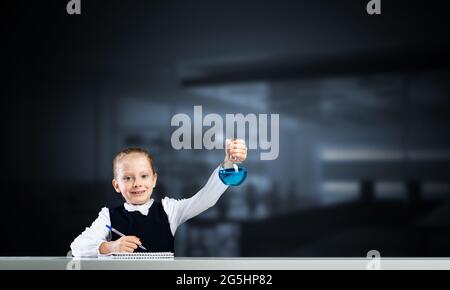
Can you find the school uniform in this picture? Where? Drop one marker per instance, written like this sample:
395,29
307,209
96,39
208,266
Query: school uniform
154,223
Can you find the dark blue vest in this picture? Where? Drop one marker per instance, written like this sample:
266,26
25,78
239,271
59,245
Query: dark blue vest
153,230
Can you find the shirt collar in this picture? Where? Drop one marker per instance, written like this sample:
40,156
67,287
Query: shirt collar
142,208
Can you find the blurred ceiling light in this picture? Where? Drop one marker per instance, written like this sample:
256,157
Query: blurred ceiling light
373,154
390,186
254,96
429,155
436,187
390,190
361,154
340,186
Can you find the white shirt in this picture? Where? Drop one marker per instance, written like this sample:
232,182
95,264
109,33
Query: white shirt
178,211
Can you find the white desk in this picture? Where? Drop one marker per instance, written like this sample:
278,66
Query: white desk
234,264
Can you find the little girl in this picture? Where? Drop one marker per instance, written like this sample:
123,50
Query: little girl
147,223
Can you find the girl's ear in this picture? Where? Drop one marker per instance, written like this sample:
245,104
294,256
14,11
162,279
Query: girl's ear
155,177
115,184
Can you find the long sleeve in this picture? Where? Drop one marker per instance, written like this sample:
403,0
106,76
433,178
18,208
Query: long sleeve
88,242
179,211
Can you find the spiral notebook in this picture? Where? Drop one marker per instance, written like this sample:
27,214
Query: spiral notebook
143,256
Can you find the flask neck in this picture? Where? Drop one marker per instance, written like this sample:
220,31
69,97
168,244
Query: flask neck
230,164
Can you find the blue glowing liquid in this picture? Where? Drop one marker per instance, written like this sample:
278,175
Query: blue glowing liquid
230,177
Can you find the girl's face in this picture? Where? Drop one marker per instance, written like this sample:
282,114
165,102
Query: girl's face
134,178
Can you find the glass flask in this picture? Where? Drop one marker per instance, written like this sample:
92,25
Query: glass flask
232,172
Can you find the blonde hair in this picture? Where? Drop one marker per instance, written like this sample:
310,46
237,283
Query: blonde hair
131,150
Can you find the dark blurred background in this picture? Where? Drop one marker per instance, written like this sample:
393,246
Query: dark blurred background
364,104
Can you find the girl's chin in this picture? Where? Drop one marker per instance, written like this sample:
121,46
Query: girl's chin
139,201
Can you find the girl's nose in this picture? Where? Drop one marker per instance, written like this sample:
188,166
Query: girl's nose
137,183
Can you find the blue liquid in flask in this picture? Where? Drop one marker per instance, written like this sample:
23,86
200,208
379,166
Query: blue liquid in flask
230,176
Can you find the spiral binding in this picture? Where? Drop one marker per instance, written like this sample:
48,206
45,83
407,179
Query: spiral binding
144,256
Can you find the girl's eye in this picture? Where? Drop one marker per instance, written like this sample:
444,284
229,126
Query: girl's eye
127,178
144,176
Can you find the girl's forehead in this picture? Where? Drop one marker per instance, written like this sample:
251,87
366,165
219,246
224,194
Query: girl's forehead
134,160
